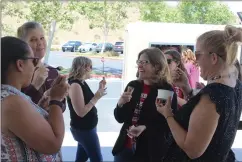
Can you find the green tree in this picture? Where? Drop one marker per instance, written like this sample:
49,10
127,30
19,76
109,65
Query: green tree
104,15
205,12
11,9
158,11
46,11
193,11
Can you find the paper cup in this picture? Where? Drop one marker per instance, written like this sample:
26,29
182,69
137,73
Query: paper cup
130,89
164,94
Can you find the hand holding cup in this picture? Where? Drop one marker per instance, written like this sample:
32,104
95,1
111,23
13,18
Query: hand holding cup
101,90
59,89
163,102
126,96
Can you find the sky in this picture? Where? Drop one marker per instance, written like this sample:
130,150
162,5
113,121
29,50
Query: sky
235,6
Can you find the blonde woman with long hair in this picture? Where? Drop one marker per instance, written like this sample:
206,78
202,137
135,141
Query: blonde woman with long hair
205,127
81,102
191,66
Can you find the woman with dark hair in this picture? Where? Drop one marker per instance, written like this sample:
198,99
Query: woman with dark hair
141,136
28,132
174,61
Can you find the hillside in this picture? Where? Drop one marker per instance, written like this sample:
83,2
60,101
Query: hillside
80,30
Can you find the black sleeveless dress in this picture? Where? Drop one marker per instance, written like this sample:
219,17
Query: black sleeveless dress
228,103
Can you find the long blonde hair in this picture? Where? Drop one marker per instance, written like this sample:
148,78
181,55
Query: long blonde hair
78,68
189,56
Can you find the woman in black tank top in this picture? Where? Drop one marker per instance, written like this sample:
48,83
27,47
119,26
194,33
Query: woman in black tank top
81,102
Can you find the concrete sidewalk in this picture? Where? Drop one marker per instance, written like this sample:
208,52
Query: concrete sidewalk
107,140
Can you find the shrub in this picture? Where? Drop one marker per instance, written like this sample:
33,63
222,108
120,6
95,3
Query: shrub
111,54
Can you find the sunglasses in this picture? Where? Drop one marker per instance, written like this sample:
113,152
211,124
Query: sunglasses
198,54
169,61
35,60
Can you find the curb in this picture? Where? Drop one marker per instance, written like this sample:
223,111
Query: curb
106,58
107,76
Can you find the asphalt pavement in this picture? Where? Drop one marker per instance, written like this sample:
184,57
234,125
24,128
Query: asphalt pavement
64,59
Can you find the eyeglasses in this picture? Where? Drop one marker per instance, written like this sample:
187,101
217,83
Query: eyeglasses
142,62
35,60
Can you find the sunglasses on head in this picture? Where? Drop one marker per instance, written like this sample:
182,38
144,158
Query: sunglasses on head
35,60
169,61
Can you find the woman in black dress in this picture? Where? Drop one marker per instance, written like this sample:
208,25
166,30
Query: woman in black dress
205,128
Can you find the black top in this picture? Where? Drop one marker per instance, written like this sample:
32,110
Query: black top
150,144
90,120
228,103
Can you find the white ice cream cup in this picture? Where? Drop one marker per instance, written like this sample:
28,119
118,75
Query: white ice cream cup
164,94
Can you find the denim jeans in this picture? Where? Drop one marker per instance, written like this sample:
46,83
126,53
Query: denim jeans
88,145
126,155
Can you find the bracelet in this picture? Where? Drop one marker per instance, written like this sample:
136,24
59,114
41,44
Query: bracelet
169,117
58,103
92,102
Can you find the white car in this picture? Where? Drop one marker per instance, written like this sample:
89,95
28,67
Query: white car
87,47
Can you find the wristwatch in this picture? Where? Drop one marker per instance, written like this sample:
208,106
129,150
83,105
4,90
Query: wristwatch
58,103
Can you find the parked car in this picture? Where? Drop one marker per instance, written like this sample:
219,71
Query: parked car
87,47
119,47
107,47
71,46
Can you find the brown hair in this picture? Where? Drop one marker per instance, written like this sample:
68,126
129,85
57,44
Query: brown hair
23,30
176,56
78,68
158,60
222,42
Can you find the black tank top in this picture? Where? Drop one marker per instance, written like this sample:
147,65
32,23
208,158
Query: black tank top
90,120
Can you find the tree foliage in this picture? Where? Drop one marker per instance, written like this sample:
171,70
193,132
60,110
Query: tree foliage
205,12
106,15
193,11
11,9
158,11
110,15
100,12
46,11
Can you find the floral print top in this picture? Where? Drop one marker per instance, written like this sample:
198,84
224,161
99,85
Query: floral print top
12,147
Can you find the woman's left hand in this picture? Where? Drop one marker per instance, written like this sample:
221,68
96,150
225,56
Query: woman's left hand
136,131
44,102
164,109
